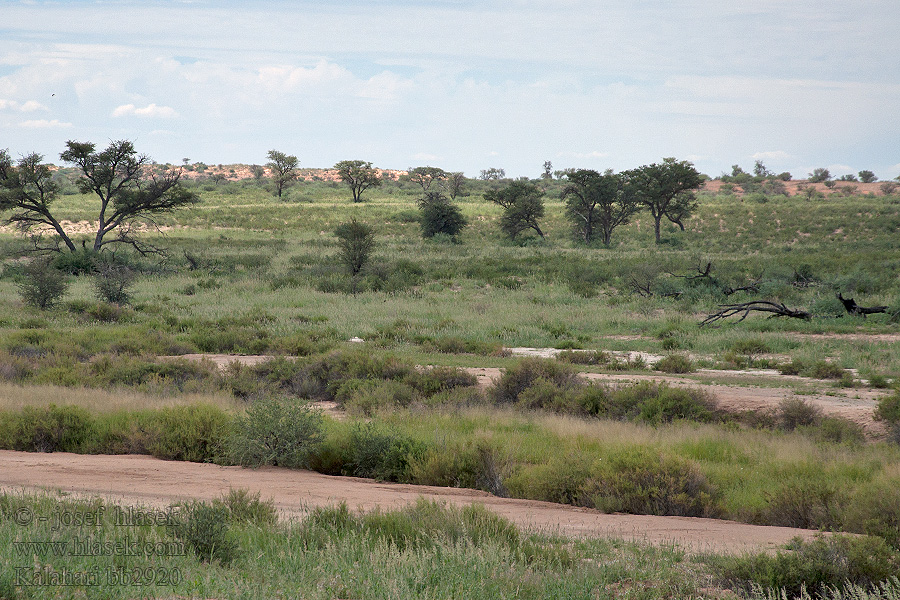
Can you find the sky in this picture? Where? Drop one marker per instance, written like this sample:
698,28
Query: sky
460,84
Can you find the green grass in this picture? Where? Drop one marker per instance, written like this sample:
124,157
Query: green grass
427,550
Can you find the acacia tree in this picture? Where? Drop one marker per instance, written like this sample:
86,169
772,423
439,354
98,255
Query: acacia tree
359,175
597,204
455,181
426,176
867,176
666,190
523,207
128,190
284,169
492,174
819,175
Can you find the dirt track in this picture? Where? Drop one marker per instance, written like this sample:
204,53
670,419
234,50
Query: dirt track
147,481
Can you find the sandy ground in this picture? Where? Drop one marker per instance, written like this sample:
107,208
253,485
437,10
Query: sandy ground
150,482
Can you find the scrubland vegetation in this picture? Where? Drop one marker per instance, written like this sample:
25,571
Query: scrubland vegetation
99,368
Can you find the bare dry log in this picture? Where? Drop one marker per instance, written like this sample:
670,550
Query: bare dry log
853,308
745,308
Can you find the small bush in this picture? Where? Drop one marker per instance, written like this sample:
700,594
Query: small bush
657,403
888,409
379,454
42,285
675,363
440,216
50,429
246,508
875,510
577,357
816,566
835,430
642,482
356,241
204,528
368,397
824,370
194,433
806,502
527,373
112,282
751,348
275,432
797,412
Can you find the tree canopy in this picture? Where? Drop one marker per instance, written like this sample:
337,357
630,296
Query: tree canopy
597,204
666,189
359,175
523,207
128,191
284,169
426,176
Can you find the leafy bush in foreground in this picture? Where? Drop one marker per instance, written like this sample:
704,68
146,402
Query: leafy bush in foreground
815,566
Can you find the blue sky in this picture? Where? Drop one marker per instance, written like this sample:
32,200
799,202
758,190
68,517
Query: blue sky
462,85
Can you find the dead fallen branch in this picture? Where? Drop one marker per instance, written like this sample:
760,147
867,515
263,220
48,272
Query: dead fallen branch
745,308
853,308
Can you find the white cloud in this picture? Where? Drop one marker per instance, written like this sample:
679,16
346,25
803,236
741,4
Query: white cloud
425,156
44,124
29,106
151,110
594,154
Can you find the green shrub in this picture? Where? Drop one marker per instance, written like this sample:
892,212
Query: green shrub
275,432
888,409
805,501
377,453
356,241
751,348
448,464
815,566
368,397
112,282
796,412
105,312
246,508
42,285
640,481
547,395
657,403
438,215
515,380
194,433
675,363
875,510
204,528
422,525
324,376
80,262
835,430
50,429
